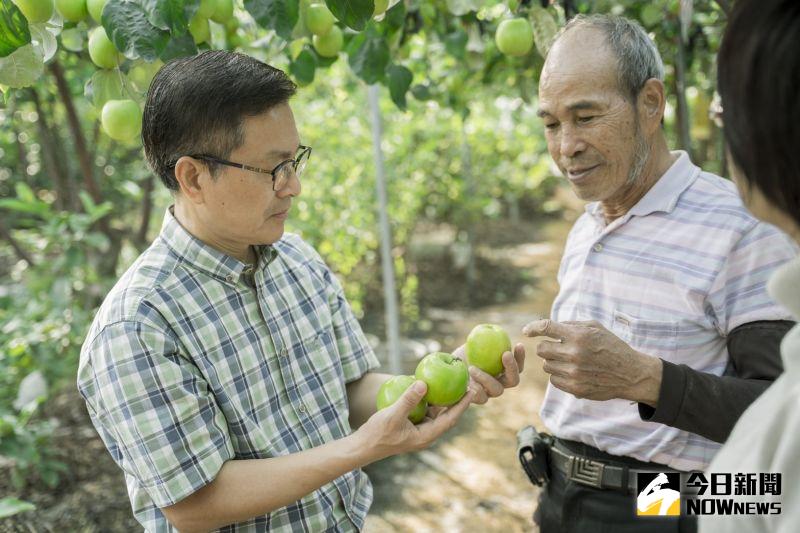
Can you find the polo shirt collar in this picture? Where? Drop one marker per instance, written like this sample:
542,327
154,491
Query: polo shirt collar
206,258
664,194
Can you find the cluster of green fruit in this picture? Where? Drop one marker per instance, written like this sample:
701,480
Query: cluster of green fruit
445,375
327,36
121,118
220,11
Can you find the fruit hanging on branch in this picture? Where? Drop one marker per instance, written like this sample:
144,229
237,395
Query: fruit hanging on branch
330,44
101,49
72,10
319,19
514,37
121,119
36,10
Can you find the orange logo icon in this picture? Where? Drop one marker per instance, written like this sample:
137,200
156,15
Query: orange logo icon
656,499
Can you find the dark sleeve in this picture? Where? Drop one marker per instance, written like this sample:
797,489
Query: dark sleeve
710,405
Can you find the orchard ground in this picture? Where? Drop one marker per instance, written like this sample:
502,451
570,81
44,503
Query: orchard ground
469,481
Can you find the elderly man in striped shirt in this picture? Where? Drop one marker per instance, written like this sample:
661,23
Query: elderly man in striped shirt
662,331
225,371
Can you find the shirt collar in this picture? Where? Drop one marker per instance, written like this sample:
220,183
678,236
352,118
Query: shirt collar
207,258
664,193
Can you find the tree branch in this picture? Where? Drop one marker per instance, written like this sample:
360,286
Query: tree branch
725,5
64,199
84,158
21,253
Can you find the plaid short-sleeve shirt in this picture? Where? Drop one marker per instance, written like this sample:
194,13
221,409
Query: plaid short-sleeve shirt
195,359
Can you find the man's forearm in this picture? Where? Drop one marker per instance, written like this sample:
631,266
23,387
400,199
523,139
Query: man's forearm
361,397
254,487
709,405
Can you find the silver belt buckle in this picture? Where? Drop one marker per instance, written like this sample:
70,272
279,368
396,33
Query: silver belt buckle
586,471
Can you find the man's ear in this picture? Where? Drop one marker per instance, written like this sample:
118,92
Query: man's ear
651,103
191,173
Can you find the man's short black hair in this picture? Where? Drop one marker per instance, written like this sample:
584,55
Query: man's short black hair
197,105
758,80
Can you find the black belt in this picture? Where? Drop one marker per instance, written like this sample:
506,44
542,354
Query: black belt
595,473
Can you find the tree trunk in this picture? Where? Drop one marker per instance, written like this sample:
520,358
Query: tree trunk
682,113
64,196
84,158
466,163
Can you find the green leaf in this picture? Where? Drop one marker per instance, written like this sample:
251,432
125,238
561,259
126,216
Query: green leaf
14,33
421,92
544,29
353,13
369,56
303,67
456,44
105,85
12,506
462,7
399,81
42,37
278,15
170,15
395,17
128,25
179,46
22,67
73,39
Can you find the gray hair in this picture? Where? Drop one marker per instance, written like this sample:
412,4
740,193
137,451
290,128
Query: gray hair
637,57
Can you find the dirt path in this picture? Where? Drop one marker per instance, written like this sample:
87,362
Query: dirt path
471,480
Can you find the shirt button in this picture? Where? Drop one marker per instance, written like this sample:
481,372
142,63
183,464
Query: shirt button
284,352
302,408
229,278
597,247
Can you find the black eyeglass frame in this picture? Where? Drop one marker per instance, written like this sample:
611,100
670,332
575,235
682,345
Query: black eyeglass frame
303,153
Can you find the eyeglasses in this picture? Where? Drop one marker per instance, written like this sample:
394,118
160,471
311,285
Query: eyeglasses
282,172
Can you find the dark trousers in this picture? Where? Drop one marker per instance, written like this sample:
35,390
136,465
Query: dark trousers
569,507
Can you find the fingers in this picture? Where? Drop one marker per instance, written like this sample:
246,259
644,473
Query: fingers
546,328
519,355
461,352
448,418
410,398
557,368
551,350
490,385
510,377
480,397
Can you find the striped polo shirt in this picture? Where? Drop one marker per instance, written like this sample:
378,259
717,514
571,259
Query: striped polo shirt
672,277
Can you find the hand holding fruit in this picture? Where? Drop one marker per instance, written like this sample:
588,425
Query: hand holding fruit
493,365
389,431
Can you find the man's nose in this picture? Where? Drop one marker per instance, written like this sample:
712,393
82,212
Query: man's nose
572,143
292,187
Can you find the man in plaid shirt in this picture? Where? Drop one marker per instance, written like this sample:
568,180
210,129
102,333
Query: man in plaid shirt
225,370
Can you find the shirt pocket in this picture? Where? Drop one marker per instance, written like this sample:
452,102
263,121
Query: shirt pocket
655,337
318,373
